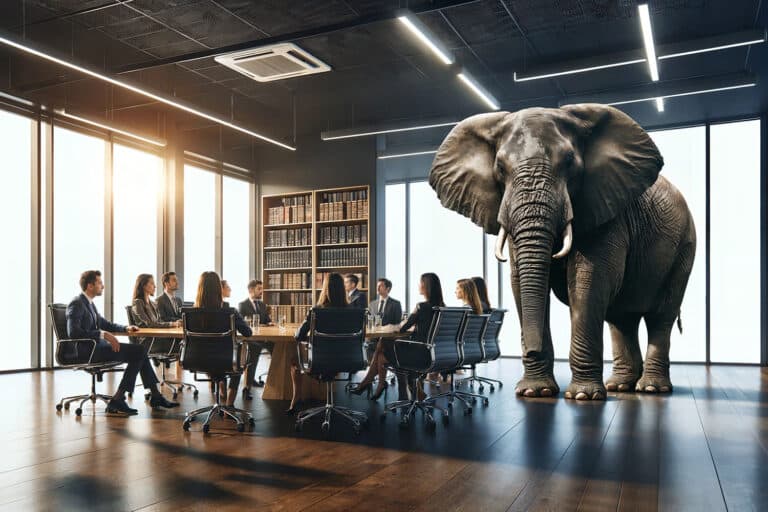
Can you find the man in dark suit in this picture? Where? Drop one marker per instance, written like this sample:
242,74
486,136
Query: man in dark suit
254,306
389,309
168,304
84,321
356,298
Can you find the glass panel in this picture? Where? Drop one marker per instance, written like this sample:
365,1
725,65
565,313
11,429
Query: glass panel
735,242
15,209
199,227
492,271
442,242
46,344
394,246
137,188
509,337
237,235
78,211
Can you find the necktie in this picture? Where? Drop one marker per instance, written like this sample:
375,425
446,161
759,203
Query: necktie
381,306
94,313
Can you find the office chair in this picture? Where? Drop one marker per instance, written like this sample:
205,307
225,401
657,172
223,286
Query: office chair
491,351
335,345
415,359
470,344
162,352
210,346
77,354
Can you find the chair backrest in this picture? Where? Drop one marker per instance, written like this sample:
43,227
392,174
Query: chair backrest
210,342
443,337
58,314
132,321
472,338
491,336
336,339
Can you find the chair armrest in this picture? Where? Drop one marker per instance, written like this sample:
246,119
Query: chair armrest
73,352
413,342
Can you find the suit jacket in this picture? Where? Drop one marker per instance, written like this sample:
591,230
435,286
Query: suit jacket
246,308
302,333
358,300
147,315
421,318
393,311
84,320
165,309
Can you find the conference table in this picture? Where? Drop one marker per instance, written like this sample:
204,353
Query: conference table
278,385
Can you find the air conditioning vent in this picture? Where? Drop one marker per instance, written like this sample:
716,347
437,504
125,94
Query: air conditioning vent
276,62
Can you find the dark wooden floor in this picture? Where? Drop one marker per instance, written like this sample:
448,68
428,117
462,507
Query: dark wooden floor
705,447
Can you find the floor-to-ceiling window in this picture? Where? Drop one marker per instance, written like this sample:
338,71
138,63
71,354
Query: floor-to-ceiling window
137,205
199,226
16,257
394,245
236,234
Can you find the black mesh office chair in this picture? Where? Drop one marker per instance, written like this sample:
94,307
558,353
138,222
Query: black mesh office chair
335,345
162,352
491,351
210,346
415,359
470,344
77,354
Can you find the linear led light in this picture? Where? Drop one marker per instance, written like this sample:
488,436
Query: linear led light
401,155
660,104
578,70
421,33
154,142
484,95
689,93
391,130
712,49
650,50
142,92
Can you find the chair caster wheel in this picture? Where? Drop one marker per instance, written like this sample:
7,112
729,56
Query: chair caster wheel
78,412
297,427
450,405
356,430
58,407
174,395
392,381
474,400
251,422
147,396
221,413
66,406
500,385
194,393
241,427
185,427
492,389
325,427
405,422
481,389
446,419
485,402
206,429
468,411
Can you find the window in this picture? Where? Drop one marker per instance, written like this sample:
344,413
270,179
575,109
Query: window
137,188
394,246
16,259
735,242
236,231
78,211
199,227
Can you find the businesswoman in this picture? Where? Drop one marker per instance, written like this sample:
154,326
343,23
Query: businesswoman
466,292
482,291
144,309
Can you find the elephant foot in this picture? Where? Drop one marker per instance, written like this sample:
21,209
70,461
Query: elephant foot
533,387
654,384
618,382
586,391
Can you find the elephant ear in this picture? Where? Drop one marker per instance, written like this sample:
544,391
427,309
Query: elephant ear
462,172
620,163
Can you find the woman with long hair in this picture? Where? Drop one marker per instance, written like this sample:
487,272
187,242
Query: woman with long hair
332,295
209,297
466,292
143,307
482,291
418,323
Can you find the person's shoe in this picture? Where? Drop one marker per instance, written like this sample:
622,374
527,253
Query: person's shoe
294,409
378,393
160,401
247,394
120,407
258,383
359,390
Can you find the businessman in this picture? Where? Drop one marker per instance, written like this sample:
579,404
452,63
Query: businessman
168,304
389,309
355,297
254,306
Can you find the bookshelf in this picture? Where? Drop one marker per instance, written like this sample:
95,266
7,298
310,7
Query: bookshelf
307,235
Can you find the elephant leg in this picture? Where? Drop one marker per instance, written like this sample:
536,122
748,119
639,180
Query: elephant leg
627,359
655,377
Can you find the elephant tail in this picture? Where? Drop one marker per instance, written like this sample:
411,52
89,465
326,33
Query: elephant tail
679,323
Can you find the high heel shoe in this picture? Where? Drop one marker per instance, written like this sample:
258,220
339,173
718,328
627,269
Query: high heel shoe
247,394
359,390
378,393
293,410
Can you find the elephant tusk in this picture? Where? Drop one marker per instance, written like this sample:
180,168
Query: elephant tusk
567,242
500,241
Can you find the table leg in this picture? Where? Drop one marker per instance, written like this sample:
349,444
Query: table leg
279,385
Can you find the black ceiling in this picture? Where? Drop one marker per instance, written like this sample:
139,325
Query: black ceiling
380,73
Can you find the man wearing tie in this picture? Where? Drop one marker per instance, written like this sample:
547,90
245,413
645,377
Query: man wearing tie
355,297
386,307
168,304
84,321
254,306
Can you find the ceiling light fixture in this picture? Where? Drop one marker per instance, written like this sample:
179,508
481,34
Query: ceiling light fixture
481,93
423,35
650,51
366,133
401,155
660,104
66,114
577,70
688,93
711,49
142,92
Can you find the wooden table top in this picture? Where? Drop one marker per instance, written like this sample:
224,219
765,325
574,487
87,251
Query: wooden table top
265,333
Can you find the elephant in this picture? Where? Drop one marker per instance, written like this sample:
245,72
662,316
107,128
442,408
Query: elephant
575,194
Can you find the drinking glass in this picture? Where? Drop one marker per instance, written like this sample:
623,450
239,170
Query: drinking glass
377,320
255,324
281,323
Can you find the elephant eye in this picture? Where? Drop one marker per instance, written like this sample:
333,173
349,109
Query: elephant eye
568,158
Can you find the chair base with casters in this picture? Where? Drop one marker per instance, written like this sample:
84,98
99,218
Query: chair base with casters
96,375
174,385
240,416
358,419
468,399
474,377
409,407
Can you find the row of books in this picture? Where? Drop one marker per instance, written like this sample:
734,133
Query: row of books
288,259
294,209
291,280
292,314
344,234
289,237
352,256
343,196
295,298
361,276
344,211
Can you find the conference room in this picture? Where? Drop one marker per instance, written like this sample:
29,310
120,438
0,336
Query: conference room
425,255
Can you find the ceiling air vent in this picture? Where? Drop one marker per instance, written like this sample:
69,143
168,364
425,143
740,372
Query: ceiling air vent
276,62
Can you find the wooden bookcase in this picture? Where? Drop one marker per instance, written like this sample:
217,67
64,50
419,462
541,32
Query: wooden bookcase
308,234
